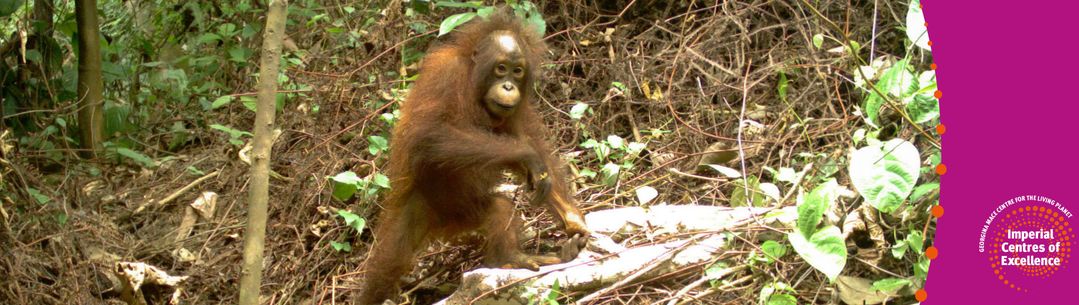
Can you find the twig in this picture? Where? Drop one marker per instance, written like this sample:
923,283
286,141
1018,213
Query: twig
177,193
678,296
655,263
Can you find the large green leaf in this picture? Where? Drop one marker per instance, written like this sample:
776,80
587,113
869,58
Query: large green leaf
825,250
923,108
916,30
345,185
812,206
897,81
885,174
138,157
452,22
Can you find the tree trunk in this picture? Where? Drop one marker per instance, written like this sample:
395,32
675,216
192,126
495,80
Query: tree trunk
42,39
260,155
90,86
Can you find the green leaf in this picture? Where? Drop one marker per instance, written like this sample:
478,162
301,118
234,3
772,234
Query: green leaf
233,133
352,220
61,218
590,143
610,173
619,85
916,30
916,241
635,148
921,269
587,173
485,12
578,111
782,299
781,88
249,102
221,101
738,193
240,54
825,250
136,156
890,284
818,41
196,171
345,185
922,190
773,250
455,4
207,38
340,246
382,181
538,24
377,144
41,198
897,81
923,108
616,142
812,206
452,22
900,248
885,174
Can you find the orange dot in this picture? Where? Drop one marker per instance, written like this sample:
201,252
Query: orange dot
926,24
938,94
921,295
941,169
938,211
940,129
930,43
931,252
933,66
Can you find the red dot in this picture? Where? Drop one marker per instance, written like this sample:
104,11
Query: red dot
921,295
940,129
941,169
933,66
931,252
938,94
930,43
938,211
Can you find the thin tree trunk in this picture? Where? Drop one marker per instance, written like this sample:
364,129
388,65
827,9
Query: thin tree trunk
90,86
260,155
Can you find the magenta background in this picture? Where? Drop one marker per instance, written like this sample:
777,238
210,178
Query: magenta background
1007,72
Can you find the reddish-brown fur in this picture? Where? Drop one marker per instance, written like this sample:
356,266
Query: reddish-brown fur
448,152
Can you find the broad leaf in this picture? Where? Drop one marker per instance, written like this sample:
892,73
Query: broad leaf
812,206
890,284
136,156
578,111
825,250
773,250
916,30
452,22
345,185
885,174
